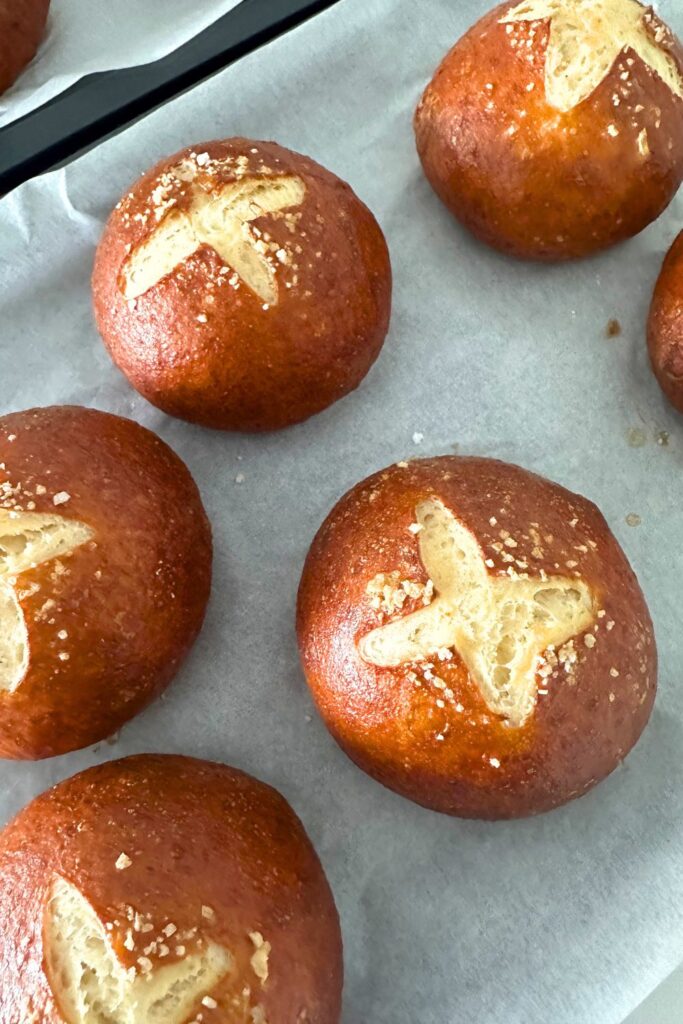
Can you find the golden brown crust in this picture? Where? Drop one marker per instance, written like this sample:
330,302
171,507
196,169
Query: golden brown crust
449,751
109,624
22,26
532,180
202,345
665,329
197,835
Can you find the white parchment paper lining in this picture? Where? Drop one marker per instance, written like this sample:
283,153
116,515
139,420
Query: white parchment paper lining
85,36
568,919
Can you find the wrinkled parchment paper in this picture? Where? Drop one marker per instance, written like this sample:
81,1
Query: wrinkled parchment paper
571,918
85,36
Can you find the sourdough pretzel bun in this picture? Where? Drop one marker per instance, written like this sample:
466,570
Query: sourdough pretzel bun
554,128
665,329
22,25
242,286
475,638
105,570
165,890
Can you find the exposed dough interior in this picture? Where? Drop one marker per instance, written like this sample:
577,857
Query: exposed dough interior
220,220
586,37
500,626
26,540
91,985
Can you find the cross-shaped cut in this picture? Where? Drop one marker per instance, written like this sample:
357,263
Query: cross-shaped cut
27,539
220,218
499,625
91,985
586,38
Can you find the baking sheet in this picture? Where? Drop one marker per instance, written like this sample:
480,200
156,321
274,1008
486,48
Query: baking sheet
571,918
85,36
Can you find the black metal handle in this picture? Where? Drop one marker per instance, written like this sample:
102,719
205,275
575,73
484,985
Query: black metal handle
102,104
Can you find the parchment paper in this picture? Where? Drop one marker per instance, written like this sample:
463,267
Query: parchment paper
85,36
571,918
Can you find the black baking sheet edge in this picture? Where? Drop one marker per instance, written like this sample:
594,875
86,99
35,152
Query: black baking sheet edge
102,104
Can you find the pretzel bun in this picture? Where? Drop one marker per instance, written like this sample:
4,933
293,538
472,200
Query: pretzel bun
665,329
242,286
22,25
165,890
554,128
105,571
475,638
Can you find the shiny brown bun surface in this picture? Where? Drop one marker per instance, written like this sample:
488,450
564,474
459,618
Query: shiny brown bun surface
242,286
184,885
474,637
105,572
22,24
665,330
554,128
